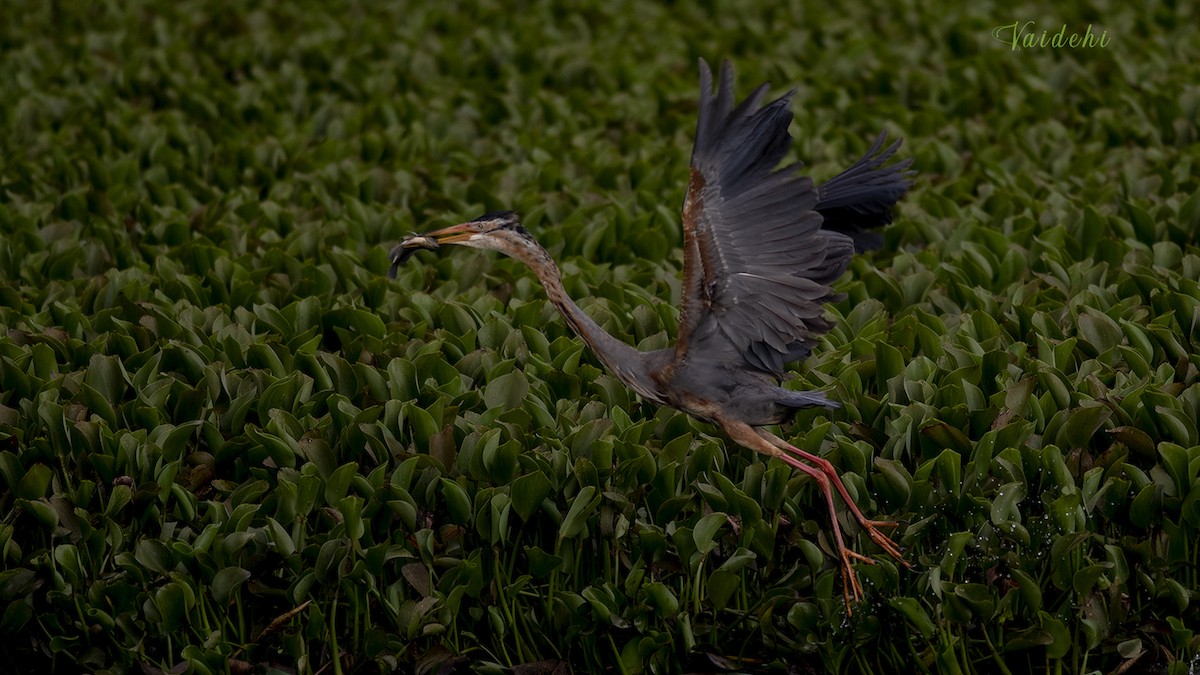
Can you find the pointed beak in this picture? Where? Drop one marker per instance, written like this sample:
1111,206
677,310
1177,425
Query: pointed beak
454,234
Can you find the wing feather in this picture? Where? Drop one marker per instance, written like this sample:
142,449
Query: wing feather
861,197
758,265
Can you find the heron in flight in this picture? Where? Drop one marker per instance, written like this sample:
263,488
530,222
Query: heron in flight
762,248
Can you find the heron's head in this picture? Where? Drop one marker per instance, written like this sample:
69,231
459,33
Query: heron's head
498,230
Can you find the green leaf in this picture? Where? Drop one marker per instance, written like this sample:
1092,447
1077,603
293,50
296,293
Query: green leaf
106,375
949,469
351,509
1082,423
42,511
507,391
35,483
705,532
17,583
1087,578
1099,330
661,598
978,597
1060,637
1130,649
98,403
1005,507
280,537
1179,594
897,482
16,616
226,582
338,484
457,501
423,425
1144,509
329,560
1135,439
541,564
154,555
528,492
955,546
577,516
721,587
1189,215
500,461
359,320
912,611
176,441
738,561
889,363
67,558
171,602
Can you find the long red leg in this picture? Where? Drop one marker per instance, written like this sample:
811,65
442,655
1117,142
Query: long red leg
761,441
827,470
851,588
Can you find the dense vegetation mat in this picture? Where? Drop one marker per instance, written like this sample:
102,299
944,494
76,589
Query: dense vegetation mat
228,441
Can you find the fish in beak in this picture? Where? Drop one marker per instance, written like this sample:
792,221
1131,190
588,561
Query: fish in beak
455,234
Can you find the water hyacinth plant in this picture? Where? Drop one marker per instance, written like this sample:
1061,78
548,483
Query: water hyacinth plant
229,443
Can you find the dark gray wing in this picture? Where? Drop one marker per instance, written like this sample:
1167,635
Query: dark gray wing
861,198
758,267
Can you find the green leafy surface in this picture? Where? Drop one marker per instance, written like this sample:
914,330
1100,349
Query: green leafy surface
228,441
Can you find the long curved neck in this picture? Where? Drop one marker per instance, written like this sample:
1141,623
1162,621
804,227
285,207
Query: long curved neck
609,349
627,363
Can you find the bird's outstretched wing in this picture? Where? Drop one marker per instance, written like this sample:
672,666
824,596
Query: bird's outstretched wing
758,267
861,197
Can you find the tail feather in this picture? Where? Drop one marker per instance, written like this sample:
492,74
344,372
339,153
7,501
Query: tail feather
861,198
806,399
